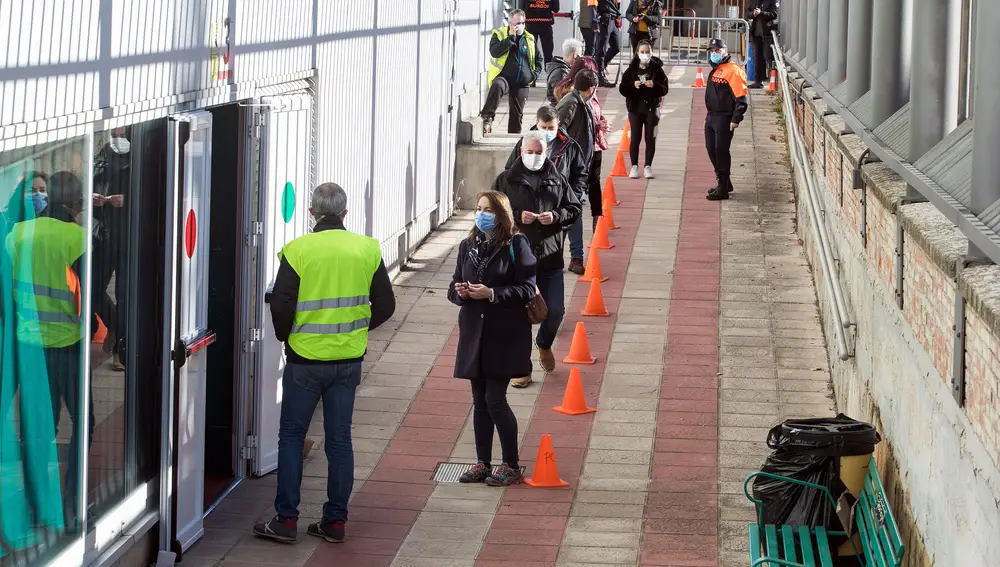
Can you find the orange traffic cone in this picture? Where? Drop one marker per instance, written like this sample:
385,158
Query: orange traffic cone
619,169
102,332
623,145
579,349
773,85
699,80
595,302
600,240
609,192
546,473
593,270
609,215
574,402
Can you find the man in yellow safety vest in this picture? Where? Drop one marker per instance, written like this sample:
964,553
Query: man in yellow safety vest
47,256
515,64
332,288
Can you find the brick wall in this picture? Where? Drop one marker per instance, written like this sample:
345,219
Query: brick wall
940,460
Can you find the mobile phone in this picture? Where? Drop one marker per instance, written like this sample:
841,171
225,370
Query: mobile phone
642,80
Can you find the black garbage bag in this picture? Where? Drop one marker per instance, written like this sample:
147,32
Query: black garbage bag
809,450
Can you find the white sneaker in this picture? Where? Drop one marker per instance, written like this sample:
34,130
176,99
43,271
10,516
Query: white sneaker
634,172
647,172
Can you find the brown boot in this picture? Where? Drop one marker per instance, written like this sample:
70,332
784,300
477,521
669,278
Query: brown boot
546,359
522,382
577,267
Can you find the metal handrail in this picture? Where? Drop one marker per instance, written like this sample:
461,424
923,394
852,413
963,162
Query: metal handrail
801,166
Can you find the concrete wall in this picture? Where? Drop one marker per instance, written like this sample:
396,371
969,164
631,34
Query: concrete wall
939,459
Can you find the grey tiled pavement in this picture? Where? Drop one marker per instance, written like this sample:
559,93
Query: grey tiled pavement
772,365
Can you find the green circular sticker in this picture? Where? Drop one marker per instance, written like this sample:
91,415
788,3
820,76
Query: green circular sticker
288,202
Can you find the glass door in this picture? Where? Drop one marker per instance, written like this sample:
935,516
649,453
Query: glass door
285,178
186,333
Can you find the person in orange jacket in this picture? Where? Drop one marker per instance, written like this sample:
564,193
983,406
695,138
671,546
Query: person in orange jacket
726,100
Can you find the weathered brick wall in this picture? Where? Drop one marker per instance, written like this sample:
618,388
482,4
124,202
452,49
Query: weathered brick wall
940,461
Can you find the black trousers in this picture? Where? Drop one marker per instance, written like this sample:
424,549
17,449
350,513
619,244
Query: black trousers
589,43
594,189
638,122
762,57
518,95
110,260
607,42
638,36
543,32
63,366
490,410
718,139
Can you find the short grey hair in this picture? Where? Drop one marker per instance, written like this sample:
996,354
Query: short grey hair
535,135
329,199
571,46
517,12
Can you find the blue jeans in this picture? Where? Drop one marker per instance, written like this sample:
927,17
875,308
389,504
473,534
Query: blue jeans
576,239
303,385
550,283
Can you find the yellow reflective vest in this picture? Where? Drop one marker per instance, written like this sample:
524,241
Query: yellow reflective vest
497,63
46,290
333,310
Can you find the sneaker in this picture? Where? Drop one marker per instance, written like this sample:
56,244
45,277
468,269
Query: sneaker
546,359
277,528
717,195
487,126
634,172
576,266
477,473
756,85
522,382
505,476
647,172
332,532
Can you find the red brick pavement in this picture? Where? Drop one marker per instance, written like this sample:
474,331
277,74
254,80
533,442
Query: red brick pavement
388,503
681,517
529,526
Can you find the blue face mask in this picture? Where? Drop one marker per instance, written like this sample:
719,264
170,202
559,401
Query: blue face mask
39,201
549,136
715,58
485,221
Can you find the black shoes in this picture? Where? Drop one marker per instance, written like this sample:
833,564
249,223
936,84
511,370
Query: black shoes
333,532
280,529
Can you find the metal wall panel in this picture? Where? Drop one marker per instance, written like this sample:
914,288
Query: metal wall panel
383,74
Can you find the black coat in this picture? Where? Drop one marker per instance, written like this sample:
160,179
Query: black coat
542,191
568,159
652,15
764,22
558,70
494,338
644,99
577,117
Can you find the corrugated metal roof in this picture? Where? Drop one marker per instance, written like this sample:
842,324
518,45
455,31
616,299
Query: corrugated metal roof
862,109
949,163
895,132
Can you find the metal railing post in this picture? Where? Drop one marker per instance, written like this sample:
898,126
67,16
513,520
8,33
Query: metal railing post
859,50
812,14
934,88
822,37
837,44
986,111
890,58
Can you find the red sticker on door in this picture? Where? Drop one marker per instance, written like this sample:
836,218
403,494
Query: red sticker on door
190,233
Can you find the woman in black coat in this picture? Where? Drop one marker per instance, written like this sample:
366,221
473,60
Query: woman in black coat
644,84
494,281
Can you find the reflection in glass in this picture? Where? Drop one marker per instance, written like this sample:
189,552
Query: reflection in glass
41,339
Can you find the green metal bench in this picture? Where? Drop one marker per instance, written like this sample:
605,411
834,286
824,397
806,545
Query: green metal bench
802,546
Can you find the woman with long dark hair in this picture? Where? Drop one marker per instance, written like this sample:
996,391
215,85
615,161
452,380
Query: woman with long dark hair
644,85
494,281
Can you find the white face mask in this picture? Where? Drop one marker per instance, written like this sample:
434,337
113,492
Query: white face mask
120,145
533,162
645,57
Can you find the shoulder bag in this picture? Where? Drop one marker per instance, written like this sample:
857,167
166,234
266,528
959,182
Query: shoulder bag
537,309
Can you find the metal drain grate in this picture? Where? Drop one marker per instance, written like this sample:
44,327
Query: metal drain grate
449,472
